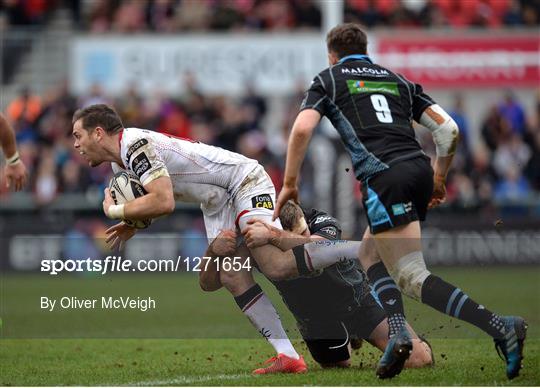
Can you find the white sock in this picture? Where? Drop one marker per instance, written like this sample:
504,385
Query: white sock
263,315
321,254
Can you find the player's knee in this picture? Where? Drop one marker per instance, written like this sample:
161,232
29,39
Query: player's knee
208,286
233,281
409,273
338,364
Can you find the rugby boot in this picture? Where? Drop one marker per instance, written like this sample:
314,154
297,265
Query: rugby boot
283,364
397,351
511,345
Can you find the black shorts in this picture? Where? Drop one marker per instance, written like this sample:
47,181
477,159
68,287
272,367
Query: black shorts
328,339
399,195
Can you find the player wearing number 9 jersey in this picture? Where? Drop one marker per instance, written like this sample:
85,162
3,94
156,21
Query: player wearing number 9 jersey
373,109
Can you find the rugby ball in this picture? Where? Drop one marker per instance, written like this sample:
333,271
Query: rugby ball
126,186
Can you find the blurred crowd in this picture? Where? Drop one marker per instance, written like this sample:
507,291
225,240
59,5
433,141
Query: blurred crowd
43,128
444,13
276,15
126,16
503,167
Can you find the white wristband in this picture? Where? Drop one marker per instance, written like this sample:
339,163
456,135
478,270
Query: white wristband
116,212
14,159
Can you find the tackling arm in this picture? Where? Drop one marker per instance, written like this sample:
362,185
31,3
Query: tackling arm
259,233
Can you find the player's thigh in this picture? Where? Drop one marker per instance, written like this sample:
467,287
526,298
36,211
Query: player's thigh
215,222
398,196
328,342
395,243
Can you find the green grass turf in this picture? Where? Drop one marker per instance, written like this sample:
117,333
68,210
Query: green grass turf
203,340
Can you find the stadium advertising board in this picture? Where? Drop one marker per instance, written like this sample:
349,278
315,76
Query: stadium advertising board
450,62
276,64
272,64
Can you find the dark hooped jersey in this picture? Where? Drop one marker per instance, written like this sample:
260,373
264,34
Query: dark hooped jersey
337,289
372,108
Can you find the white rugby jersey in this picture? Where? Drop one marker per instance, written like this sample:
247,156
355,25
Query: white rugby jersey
200,173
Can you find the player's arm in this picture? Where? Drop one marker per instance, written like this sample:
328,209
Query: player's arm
15,170
158,201
445,134
258,233
301,134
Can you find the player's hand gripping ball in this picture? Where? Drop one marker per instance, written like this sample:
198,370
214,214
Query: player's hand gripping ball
125,187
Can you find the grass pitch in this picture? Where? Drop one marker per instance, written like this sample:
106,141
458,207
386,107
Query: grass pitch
217,345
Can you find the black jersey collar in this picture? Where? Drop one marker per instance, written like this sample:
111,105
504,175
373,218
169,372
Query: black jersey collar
355,57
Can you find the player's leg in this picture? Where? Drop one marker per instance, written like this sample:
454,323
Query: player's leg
257,307
248,295
383,285
369,321
400,197
400,249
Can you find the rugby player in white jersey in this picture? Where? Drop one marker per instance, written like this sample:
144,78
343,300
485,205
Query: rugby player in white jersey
230,188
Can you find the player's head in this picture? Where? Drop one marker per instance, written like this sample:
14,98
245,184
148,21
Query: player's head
345,39
292,219
92,127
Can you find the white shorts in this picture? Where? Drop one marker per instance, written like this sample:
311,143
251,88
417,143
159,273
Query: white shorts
255,198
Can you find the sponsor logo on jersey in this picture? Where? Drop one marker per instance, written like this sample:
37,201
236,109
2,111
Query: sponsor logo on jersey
320,219
401,208
329,231
263,201
364,70
135,147
140,164
359,86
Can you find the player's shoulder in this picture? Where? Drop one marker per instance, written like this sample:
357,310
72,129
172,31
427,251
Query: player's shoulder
362,69
322,223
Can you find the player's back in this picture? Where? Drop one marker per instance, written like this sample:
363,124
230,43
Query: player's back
372,108
199,172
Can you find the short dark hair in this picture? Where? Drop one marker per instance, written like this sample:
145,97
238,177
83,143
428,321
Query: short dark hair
99,115
346,39
290,214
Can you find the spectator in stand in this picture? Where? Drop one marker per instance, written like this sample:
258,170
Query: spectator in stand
26,107
513,154
460,117
95,96
130,16
495,129
160,15
513,187
512,111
